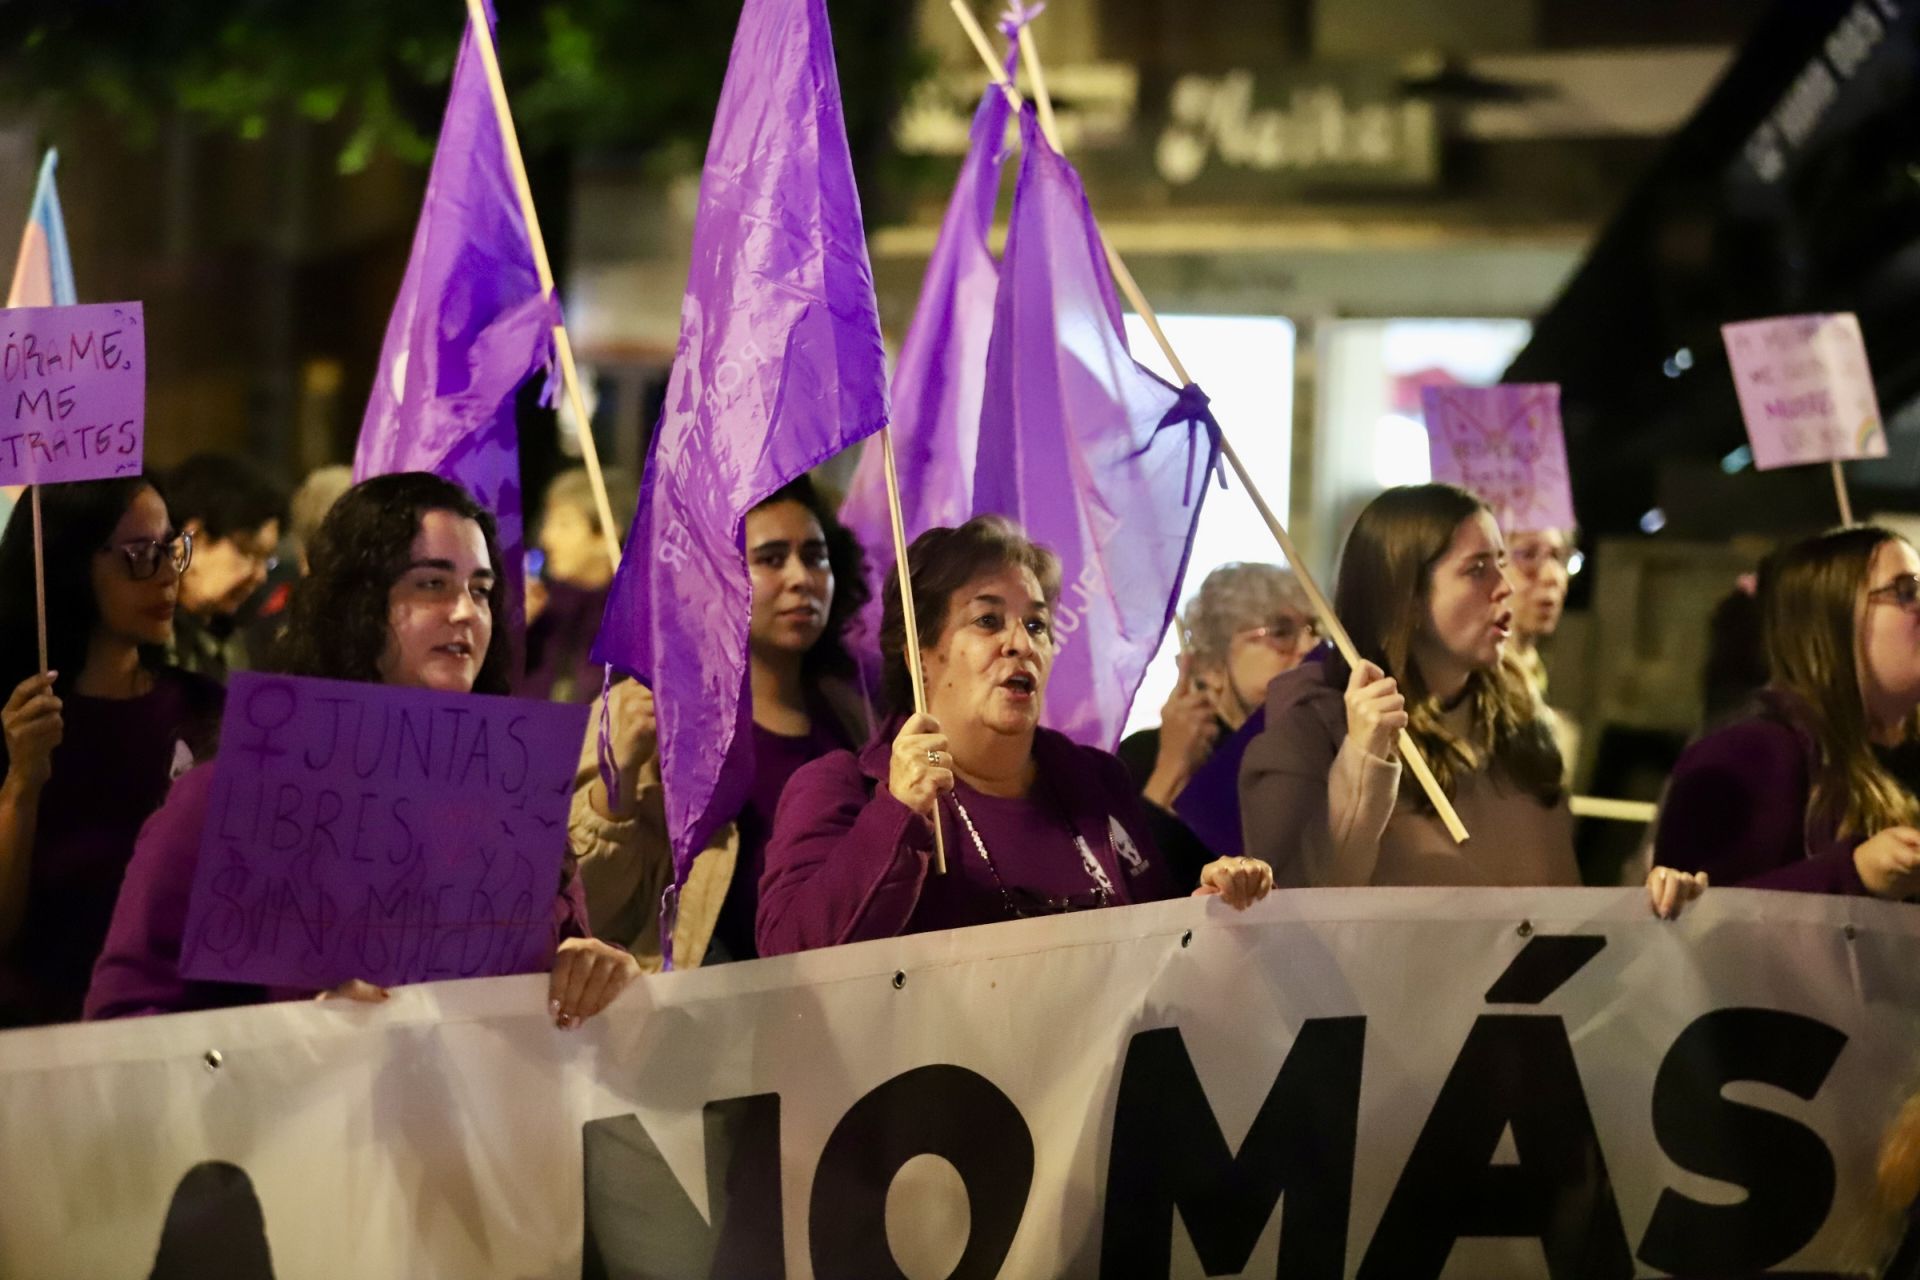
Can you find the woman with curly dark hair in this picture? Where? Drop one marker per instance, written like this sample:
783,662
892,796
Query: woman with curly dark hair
90,747
403,591
808,585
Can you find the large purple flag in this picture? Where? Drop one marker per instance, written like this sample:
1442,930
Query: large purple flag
938,384
1093,454
470,326
779,367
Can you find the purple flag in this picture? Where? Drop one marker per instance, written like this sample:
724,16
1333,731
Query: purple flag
779,367
941,376
1094,455
470,326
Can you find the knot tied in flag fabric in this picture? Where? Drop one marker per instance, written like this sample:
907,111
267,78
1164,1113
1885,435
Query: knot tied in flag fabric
1074,445
470,326
779,367
1193,410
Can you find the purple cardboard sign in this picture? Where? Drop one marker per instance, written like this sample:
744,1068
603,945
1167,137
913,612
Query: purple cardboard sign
365,831
73,392
1805,389
1504,445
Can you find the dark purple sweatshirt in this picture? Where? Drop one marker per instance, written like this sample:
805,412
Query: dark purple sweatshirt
1736,808
848,862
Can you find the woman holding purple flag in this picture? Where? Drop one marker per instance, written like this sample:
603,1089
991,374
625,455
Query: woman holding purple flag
809,585
90,747
403,590
1814,789
1035,824
1426,592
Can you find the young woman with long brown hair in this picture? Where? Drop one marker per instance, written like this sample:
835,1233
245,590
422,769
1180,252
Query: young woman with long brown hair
1425,592
1814,790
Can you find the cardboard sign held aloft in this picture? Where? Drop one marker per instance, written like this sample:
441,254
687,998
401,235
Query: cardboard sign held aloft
1504,445
394,835
73,392
1805,389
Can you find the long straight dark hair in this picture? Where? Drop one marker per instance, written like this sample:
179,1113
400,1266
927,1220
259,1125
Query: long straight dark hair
1384,598
76,521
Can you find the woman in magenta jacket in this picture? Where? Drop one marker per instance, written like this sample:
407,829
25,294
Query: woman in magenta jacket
1035,824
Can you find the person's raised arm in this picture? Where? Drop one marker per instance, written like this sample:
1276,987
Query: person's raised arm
846,863
32,726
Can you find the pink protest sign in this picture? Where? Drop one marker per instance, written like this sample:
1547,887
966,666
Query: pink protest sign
73,392
1805,389
395,835
1504,445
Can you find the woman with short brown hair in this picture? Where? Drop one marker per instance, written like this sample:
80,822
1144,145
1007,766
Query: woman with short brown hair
1035,824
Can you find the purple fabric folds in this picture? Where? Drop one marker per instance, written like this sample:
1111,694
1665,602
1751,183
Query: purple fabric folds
941,377
1094,455
470,326
779,366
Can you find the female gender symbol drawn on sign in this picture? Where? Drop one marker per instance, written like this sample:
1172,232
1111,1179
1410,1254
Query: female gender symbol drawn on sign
267,701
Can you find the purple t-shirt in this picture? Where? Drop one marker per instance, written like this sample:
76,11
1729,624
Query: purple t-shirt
1032,848
116,759
776,758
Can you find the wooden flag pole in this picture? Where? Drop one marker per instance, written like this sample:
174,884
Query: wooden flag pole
1840,492
40,578
562,345
1323,609
910,620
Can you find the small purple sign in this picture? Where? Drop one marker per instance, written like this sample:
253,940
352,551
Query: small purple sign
1504,445
73,392
1805,389
395,835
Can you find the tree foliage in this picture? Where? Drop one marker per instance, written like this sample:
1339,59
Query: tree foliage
638,77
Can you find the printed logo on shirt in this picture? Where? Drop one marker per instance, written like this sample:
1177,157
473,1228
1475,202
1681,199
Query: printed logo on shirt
1124,846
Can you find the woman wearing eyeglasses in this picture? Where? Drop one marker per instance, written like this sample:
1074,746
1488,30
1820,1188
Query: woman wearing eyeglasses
1034,823
1248,624
1815,790
91,747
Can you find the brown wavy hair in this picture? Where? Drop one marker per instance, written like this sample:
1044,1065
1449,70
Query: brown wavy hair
337,624
1383,599
1810,600
939,563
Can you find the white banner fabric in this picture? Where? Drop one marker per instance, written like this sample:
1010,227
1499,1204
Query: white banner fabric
1372,1083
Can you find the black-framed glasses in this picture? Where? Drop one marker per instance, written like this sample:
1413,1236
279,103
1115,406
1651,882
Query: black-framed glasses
146,555
1903,591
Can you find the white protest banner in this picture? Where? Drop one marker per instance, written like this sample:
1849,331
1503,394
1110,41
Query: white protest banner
1805,389
1374,1083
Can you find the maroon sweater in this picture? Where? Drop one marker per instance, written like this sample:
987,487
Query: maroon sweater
1736,808
848,862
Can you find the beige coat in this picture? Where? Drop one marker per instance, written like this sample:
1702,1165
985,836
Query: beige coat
626,863
1323,812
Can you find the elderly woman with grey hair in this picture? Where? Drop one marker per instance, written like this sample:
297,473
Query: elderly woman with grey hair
1247,624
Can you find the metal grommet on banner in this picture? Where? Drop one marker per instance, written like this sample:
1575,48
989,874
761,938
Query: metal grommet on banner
1186,939
899,979
1526,929
213,1059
